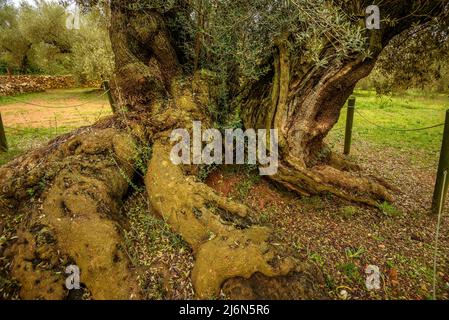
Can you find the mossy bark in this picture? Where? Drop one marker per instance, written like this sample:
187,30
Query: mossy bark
304,102
70,191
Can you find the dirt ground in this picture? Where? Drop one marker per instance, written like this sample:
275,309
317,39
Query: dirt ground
341,238
67,111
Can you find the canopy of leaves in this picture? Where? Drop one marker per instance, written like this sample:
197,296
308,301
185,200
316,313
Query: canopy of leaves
417,58
243,32
35,38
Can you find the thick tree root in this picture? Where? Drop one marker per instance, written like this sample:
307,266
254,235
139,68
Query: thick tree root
329,179
75,219
225,243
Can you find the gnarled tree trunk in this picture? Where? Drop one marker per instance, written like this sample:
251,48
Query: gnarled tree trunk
84,175
304,102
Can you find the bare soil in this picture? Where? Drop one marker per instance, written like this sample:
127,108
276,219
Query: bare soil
344,238
29,116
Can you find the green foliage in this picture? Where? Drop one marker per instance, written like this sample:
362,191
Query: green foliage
347,212
388,209
317,258
354,253
205,171
351,271
143,157
417,58
243,32
407,110
92,56
35,38
14,46
247,183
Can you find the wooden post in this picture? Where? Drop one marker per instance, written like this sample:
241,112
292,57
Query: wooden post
107,88
442,183
349,123
8,71
3,143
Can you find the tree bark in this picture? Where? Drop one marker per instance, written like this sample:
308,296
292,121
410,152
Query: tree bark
84,175
304,103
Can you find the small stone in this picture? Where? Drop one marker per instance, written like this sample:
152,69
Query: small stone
344,294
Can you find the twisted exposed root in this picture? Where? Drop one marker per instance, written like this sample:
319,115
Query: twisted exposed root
225,243
75,219
328,179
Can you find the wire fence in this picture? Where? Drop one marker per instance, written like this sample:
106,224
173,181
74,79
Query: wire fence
347,130
26,124
397,129
55,107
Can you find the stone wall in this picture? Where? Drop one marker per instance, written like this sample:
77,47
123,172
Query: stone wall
25,84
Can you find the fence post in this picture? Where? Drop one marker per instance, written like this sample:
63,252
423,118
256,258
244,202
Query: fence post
349,123
107,88
441,184
3,143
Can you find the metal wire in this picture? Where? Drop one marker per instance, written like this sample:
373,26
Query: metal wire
395,129
54,107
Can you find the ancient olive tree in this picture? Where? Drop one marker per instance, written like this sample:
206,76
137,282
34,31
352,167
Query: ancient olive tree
289,65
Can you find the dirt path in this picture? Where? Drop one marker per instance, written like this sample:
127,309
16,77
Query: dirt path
67,111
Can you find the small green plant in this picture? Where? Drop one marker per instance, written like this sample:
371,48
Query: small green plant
30,192
142,159
317,258
264,217
347,212
330,282
314,201
42,184
354,253
205,171
388,209
351,271
245,186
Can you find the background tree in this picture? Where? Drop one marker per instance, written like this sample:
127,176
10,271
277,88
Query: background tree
35,37
417,58
92,58
14,47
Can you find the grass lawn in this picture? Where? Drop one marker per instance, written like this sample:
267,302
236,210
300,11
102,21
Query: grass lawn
28,126
26,139
401,111
52,96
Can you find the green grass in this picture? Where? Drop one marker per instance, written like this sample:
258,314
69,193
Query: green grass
388,209
50,96
347,212
22,140
412,109
351,271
